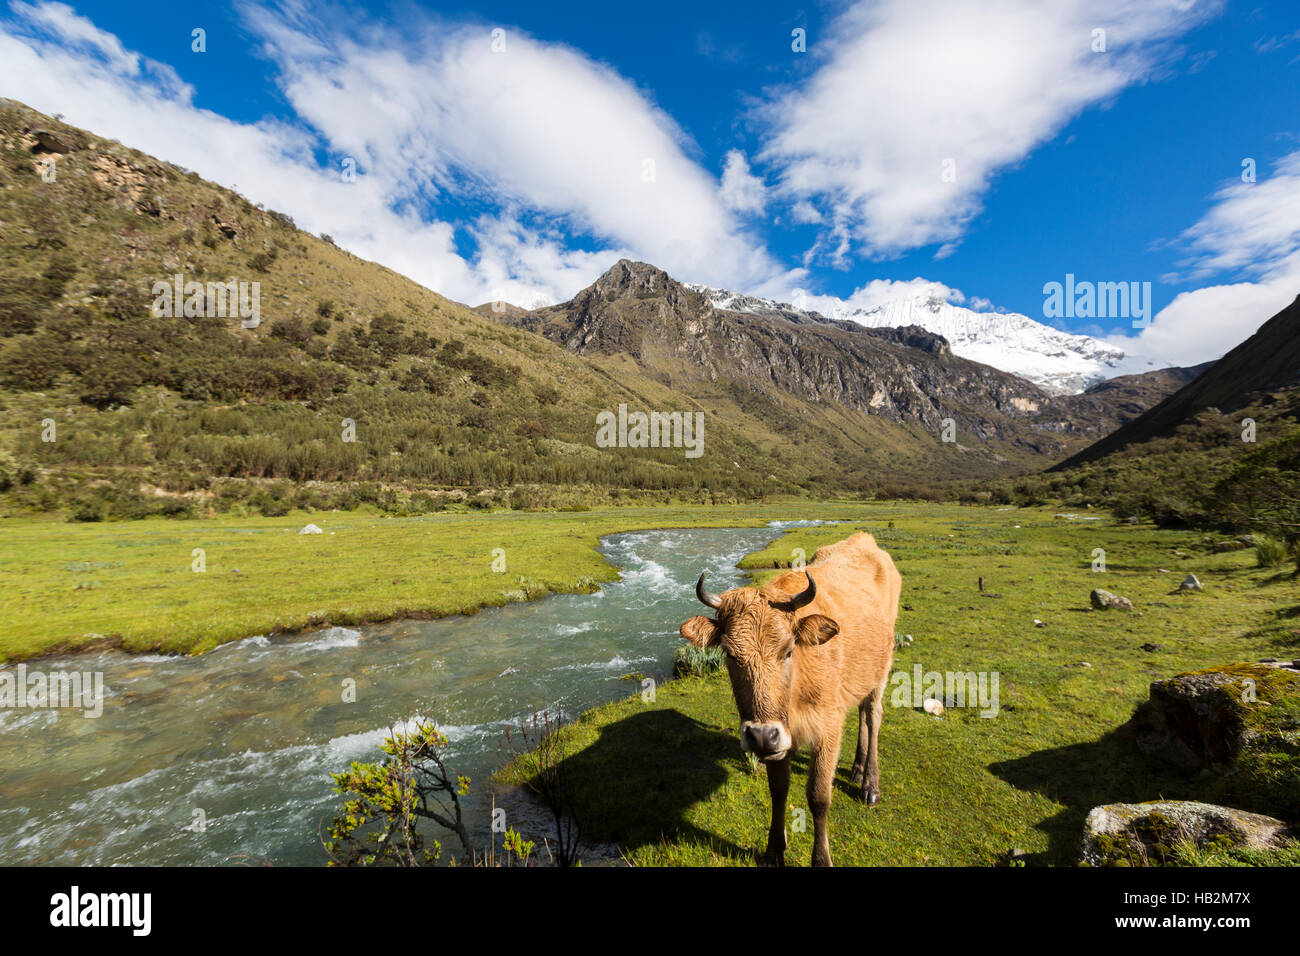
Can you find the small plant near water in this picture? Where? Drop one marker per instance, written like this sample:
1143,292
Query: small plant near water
378,825
518,848
1269,552
540,750
692,661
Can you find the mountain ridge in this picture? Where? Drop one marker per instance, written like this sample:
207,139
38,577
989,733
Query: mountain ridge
1269,360
906,374
1059,362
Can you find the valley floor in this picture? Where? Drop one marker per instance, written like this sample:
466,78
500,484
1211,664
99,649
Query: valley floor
667,779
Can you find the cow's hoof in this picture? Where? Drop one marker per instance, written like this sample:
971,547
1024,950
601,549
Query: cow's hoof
771,859
856,777
871,796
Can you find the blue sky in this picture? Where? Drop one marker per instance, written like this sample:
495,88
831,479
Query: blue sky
521,171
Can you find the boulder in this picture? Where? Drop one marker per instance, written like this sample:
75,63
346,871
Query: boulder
1236,721
1145,834
311,529
1190,583
1105,600
48,141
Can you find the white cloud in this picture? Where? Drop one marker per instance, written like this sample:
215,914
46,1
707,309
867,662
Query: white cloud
429,114
804,212
77,31
908,91
439,107
1252,231
870,295
742,191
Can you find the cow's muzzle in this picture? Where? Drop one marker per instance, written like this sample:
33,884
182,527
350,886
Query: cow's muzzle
767,740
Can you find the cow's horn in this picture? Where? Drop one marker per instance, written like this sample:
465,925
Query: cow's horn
712,600
802,598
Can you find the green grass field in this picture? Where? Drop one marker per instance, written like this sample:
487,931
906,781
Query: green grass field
65,586
667,780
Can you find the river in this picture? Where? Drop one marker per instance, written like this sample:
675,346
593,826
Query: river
225,757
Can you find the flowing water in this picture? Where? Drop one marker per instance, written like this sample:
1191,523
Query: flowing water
244,738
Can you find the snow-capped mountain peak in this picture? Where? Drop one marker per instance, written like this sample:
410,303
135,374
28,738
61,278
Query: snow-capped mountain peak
1060,362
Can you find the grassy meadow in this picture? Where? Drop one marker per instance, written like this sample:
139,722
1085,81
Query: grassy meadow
666,780
67,585
957,789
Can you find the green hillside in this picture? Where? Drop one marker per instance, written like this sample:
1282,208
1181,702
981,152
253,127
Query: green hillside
108,410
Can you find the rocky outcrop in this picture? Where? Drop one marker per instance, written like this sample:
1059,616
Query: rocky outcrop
1146,834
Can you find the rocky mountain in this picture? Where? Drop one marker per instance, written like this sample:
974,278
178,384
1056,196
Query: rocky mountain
902,374
1060,363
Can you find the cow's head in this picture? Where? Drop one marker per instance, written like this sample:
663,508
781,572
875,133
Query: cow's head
760,634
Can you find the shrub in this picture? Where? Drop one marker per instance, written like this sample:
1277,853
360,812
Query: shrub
692,661
1269,552
88,511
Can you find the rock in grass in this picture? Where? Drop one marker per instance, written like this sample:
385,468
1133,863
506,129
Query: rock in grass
933,706
1105,601
1146,834
1237,721
1190,583
311,529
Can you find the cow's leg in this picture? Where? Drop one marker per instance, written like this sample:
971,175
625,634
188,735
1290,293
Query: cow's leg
778,784
873,711
859,771
821,777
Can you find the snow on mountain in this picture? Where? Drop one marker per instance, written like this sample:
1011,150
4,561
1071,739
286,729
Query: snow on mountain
1059,362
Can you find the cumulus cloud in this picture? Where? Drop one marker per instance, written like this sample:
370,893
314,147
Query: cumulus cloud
451,107
917,104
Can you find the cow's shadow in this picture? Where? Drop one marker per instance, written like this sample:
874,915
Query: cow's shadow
634,785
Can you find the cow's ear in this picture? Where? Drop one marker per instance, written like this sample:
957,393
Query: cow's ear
815,629
701,631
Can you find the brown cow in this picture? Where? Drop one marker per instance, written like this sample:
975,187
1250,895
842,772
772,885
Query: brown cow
800,652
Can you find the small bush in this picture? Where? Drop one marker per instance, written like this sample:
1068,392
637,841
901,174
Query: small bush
88,511
1269,552
692,661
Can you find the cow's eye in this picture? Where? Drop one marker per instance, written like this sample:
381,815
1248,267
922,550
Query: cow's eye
789,654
